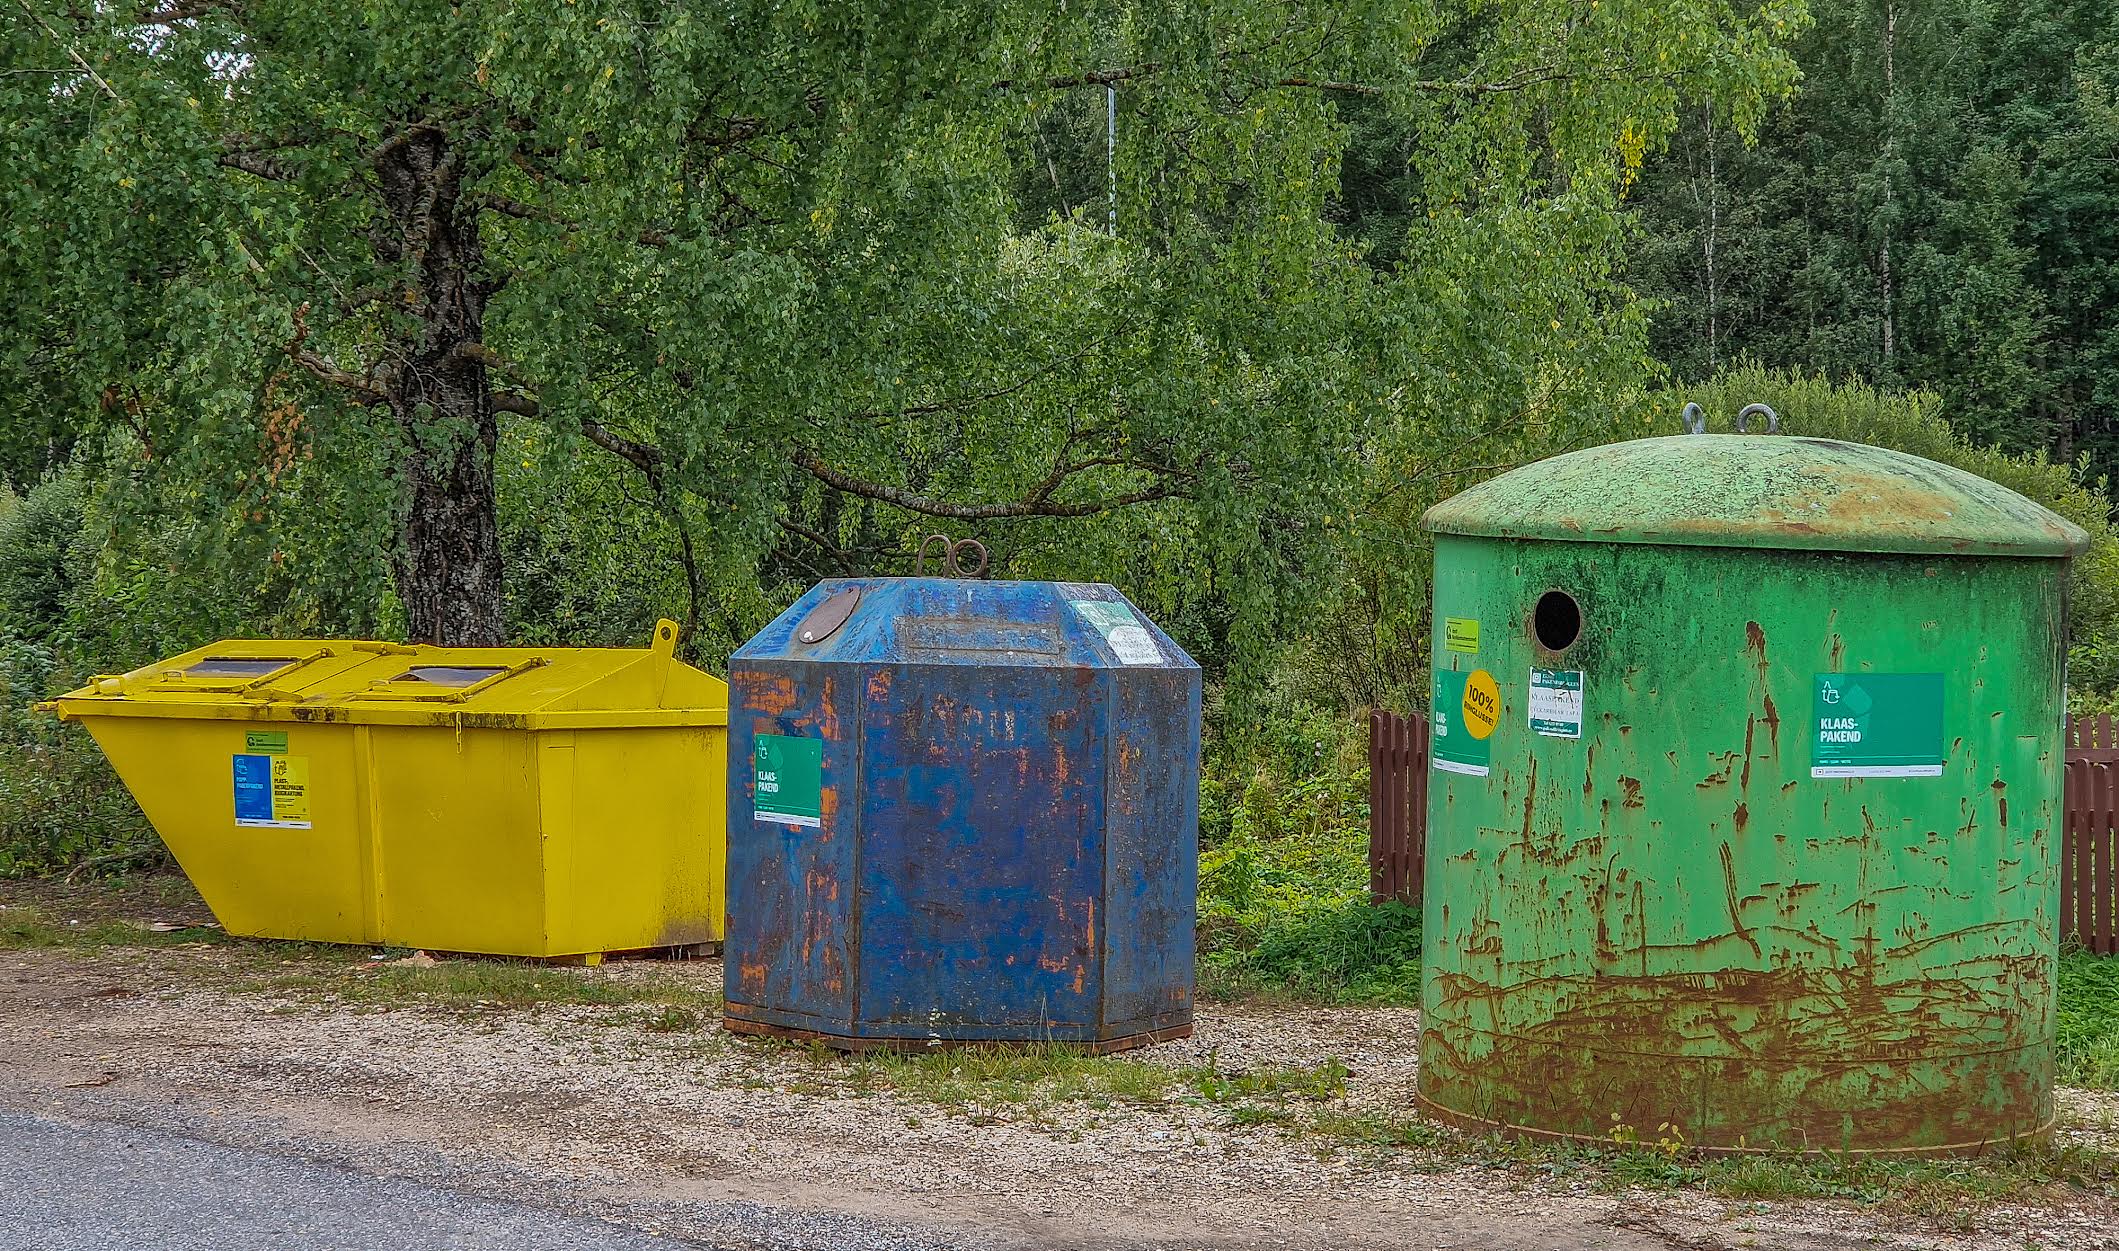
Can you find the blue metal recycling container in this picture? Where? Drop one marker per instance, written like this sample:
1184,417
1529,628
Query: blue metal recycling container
962,811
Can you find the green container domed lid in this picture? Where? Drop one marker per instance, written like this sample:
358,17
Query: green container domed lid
1773,491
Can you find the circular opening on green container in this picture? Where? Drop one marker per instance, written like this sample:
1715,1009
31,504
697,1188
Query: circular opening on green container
1557,621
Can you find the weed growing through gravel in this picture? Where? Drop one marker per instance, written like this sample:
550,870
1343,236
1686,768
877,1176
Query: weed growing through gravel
1378,1129
1943,1190
1041,1076
1033,1073
672,1019
23,926
483,983
1315,1082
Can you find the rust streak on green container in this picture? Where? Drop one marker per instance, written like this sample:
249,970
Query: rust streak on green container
1670,919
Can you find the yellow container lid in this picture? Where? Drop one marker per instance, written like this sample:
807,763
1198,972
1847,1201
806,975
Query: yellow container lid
370,683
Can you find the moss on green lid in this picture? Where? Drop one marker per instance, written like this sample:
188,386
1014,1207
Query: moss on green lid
1771,491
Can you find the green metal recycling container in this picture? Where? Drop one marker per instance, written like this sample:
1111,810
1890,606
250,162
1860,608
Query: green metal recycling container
1748,755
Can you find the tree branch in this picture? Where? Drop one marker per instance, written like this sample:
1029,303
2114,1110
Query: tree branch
958,402
510,207
1038,502
515,208
645,457
1034,505
1520,80
73,54
363,390
256,163
483,355
181,13
518,403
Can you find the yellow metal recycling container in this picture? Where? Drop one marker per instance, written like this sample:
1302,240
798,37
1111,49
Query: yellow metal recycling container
508,801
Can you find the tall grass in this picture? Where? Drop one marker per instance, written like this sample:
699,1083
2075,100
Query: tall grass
2089,1020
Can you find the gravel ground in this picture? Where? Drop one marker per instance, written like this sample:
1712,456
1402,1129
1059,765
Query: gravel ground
725,1142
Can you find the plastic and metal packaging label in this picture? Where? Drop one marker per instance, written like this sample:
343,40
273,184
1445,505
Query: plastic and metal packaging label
272,791
1122,630
787,780
1556,702
1876,725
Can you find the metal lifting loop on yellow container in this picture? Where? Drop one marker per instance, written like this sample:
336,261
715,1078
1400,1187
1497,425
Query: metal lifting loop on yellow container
525,801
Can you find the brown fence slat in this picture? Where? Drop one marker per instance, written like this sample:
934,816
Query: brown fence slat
1409,820
2095,822
1393,807
2076,875
1386,821
2070,805
1397,805
2086,834
2107,939
1416,885
1398,782
2085,849
1378,858
1401,814
1408,816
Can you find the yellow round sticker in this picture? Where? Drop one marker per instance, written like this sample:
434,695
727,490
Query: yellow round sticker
1482,703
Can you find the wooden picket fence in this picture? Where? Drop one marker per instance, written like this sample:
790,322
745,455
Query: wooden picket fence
2091,801
2089,836
1397,806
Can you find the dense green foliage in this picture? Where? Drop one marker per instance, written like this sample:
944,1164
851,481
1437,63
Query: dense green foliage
1934,208
60,804
798,284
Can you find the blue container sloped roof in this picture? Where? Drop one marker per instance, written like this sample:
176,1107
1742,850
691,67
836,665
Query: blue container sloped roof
959,621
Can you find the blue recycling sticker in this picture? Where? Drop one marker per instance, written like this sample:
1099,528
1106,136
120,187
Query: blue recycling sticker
253,788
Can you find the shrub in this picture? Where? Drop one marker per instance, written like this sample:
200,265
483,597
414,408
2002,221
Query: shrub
1283,875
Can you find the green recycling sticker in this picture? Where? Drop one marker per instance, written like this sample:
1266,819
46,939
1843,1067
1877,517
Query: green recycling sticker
1459,745
1876,725
787,776
1556,702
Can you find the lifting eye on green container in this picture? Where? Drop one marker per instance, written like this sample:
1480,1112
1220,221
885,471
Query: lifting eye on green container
1759,843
